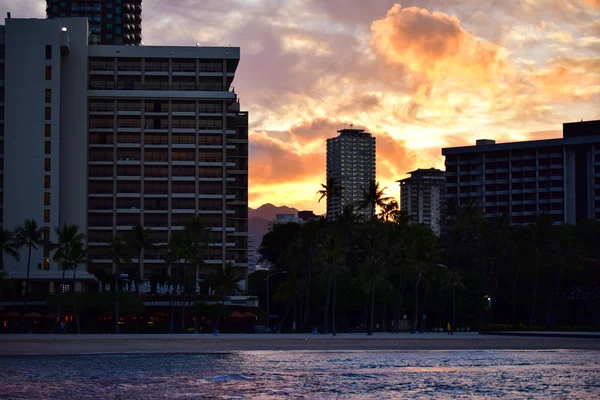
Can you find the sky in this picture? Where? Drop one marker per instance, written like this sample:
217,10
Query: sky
419,75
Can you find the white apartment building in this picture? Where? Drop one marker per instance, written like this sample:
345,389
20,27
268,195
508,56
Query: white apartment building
422,196
109,137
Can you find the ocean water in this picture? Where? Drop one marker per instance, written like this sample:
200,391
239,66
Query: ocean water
306,375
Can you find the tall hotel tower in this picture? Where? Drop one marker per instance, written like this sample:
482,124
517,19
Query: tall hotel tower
351,165
110,137
110,21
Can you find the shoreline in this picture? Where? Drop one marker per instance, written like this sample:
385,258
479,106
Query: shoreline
45,344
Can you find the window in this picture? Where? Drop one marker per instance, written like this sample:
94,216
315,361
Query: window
48,130
46,264
47,182
48,52
48,95
118,30
64,288
47,216
109,16
118,40
47,164
109,26
48,72
46,251
48,112
47,233
109,36
48,147
108,5
46,199
118,10
118,20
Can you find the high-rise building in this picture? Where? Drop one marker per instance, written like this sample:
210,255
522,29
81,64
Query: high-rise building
2,80
560,177
351,165
110,21
109,137
422,196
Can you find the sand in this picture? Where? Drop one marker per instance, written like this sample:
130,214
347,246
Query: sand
12,345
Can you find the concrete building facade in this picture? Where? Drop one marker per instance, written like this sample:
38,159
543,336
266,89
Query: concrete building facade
117,22
109,137
422,196
560,177
351,160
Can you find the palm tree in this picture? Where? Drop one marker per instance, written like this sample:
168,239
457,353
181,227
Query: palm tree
376,248
31,236
9,246
68,237
332,256
77,255
453,282
373,197
225,282
329,190
119,254
198,239
425,254
178,251
389,210
139,241
541,237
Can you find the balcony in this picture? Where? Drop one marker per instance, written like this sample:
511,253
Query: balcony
162,86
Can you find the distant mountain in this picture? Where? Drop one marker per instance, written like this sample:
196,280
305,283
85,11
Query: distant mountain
258,219
269,211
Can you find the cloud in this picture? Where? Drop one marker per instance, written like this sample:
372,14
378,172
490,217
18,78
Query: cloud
435,47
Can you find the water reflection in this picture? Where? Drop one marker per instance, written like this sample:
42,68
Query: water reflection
274,375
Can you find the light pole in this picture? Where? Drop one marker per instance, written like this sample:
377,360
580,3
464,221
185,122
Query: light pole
268,294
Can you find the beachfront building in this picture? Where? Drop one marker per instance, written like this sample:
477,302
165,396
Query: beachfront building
560,177
285,219
422,197
351,165
110,21
110,137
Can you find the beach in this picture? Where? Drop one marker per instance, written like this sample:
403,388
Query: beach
20,345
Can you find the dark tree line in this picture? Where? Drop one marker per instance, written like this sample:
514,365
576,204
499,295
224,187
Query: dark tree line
348,274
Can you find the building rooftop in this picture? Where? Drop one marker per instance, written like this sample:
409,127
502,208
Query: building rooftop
573,133
354,132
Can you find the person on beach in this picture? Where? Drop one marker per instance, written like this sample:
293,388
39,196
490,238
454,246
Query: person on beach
449,327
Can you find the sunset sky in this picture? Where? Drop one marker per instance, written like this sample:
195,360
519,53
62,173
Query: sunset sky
419,75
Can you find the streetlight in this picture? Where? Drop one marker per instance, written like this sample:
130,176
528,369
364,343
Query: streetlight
268,295
117,276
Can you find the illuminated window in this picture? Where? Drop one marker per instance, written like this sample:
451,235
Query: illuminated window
47,182
46,264
48,113
46,199
48,130
47,165
47,216
48,147
48,73
48,95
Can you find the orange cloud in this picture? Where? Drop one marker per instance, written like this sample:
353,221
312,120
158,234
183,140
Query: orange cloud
435,47
568,79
